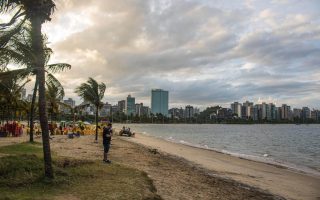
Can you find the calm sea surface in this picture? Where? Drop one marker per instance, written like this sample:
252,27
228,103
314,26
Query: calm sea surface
294,146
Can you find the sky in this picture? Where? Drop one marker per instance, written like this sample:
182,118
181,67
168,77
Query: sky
204,52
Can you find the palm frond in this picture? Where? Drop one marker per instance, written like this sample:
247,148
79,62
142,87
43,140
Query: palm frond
3,63
8,33
19,89
13,20
91,91
52,82
6,5
102,89
86,92
12,74
58,67
19,51
15,57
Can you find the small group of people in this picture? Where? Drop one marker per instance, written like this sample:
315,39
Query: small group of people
11,128
16,129
126,129
65,129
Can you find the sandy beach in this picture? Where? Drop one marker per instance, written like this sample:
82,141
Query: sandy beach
173,177
278,180
184,172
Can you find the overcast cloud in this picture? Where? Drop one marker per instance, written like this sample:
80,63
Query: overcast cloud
204,52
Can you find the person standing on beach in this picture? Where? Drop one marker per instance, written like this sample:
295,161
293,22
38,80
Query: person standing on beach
107,133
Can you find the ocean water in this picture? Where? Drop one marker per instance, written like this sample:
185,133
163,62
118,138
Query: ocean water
293,146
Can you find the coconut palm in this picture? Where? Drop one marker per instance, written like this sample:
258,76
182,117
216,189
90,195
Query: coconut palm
11,86
54,95
92,92
24,109
18,51
36,12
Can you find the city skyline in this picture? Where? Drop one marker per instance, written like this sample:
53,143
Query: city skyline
78,101
203,52
123,103
247,110
227,105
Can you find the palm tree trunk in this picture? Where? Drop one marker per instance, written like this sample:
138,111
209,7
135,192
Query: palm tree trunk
32,109
37,47
97,113
15,113
7,114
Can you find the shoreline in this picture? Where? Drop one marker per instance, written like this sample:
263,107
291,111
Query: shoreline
277,179
178,178
286,165
173,177
185,172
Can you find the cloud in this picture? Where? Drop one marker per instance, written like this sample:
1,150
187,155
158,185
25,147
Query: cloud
204,53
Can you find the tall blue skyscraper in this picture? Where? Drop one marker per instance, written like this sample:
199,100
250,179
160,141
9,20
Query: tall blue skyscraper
159,101
130,105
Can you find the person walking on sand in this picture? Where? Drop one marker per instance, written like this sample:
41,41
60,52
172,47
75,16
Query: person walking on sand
107,133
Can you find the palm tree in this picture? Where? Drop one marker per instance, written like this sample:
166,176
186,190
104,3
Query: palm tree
11,85
92,92
24,109
19,51
54,95
37,12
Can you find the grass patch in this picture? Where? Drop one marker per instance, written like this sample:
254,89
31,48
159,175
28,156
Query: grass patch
22,148
21,177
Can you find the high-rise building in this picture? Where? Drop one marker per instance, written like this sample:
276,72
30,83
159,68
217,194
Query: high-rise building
268,111
146,111
257,112
264,111
106,110
285,111
306,113
297,113
86,108
177,113
315,114
130,105
159,101
278,113
69,102
189,112
247,109
236,108
142,110
114,109
122,106
273,111
138,109
224,113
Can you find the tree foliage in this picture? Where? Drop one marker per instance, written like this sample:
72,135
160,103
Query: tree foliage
92,92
